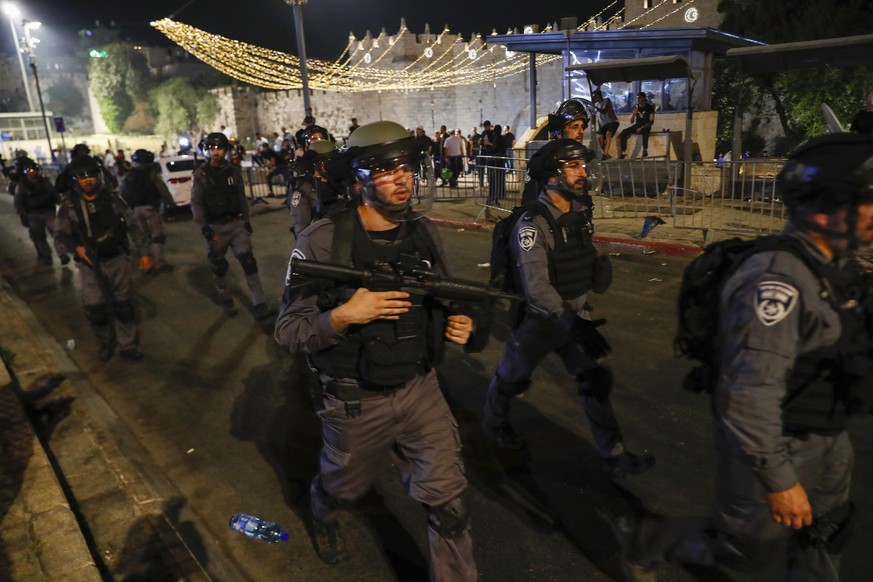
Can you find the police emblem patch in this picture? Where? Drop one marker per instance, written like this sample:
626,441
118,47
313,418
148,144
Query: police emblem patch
527,236
295,199
774,301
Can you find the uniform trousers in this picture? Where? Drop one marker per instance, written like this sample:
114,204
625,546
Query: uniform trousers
116,272
150,221
741,536
416,423
529,343
41,223
233,235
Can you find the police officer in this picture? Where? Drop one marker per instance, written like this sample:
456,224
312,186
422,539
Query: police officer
569,122
220,208
316,191
380,386
94,222
144,190
556,266
794,366
64,181
35,203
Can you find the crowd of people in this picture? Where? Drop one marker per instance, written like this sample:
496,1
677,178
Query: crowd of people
793,357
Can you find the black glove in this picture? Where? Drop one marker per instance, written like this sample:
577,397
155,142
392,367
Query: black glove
248,226
602,274
25,221
591,340
208,233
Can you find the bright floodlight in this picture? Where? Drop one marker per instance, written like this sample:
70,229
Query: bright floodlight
10,9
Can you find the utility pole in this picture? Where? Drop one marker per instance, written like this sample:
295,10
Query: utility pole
297,7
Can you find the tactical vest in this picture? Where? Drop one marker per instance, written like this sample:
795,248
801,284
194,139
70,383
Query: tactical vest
571,262
823,388
139,189
39,197
101,225
385,353
221,197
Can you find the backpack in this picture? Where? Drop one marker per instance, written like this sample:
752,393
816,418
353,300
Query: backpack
502,261
700,297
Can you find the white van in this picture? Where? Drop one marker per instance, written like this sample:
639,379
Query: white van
176,172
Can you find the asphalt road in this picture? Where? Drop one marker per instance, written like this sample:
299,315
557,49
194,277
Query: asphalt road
224,416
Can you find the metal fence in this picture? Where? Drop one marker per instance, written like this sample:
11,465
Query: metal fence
261,183
730,196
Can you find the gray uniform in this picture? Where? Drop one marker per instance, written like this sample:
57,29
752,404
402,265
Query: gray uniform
230,233
148,214
113,284
545,328
302,205
41,219
412,419
771,313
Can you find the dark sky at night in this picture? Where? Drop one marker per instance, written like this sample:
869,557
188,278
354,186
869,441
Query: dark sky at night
270,23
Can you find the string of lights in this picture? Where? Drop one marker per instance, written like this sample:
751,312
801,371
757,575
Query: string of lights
447,65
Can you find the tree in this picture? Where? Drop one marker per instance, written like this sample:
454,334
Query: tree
795,97
65,98
182,106
118,81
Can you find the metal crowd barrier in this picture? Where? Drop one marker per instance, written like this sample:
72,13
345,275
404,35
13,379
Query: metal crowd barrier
259,184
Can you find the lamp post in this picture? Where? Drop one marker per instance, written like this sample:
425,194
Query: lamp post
11,11
297,7
30,44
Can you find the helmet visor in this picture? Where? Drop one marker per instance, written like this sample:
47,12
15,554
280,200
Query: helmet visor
403,187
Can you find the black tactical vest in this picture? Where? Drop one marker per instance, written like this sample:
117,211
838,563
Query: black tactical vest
221,197
39,197
139,188
571,261
103,227
823,386
386,353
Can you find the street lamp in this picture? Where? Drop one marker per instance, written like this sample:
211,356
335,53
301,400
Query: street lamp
30,44
11,11
296,6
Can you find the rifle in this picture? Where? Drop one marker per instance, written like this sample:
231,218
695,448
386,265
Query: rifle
91,253
405,274
412,275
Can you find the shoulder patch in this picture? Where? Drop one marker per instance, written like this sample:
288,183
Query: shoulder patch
295,199
295,254
527,236
774,301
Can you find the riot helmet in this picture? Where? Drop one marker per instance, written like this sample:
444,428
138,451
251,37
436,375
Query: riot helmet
87,175
394,175
214,140
826,174
571,111
142,158
80,149
552,161
315,133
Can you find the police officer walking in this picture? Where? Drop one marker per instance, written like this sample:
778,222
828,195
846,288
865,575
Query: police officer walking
220,208
375,352
144,190
569,122
794,365
315,191
35,203
556,266
94,223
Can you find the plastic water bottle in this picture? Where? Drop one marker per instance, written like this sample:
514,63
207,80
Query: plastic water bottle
257,529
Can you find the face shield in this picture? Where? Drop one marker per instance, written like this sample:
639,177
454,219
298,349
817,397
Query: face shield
403,187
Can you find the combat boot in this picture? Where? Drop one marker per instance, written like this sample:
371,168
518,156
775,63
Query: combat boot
228,307
329,542
504,435
132,354
626,464
262,311
105,351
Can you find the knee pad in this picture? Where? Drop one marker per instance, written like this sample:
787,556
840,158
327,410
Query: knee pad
451,519
248,263
159,240
219,267
596,382
124,311
97,314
